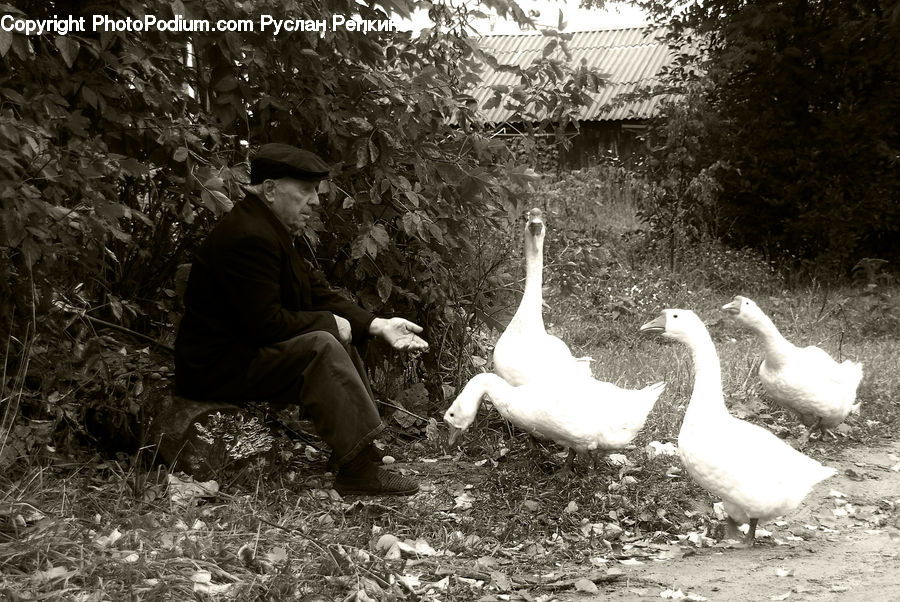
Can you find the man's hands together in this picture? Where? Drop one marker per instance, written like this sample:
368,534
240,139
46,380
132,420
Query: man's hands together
399,333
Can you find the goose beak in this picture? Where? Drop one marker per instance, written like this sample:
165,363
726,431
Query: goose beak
655,326
455,434
733,308
535,221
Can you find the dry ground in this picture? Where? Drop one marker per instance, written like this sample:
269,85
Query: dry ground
839,555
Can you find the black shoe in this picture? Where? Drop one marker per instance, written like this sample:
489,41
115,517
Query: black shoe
371,452
374,482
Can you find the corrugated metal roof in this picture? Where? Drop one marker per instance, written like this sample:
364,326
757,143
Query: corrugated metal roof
631,57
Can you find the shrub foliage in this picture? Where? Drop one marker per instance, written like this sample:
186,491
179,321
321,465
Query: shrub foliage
792,127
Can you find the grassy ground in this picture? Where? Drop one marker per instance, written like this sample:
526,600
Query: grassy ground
492,521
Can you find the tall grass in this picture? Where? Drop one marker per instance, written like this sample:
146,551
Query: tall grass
605,197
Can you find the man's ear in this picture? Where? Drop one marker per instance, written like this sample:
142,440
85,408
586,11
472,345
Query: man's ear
268,187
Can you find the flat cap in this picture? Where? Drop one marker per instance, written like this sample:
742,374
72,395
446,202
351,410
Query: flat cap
275,160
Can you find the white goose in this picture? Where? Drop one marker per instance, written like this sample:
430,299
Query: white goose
758,475
525,351
582,414
805,380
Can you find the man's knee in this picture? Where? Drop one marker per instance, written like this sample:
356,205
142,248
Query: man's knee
324,342
317,344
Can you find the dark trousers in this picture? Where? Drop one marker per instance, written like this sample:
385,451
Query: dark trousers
330,383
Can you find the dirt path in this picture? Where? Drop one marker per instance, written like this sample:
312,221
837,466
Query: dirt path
832,548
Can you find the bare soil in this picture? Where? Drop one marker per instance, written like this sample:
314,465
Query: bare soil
832,548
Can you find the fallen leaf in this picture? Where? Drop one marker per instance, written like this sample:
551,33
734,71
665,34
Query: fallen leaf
464,501
531,505
655,449
486,562
277,555
501,581
108,540
362,596
182,493
571,507
587,529
51,574
433,431
586,585
617,459
385,542
421,547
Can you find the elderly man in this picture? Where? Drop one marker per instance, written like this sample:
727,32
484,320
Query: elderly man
259,324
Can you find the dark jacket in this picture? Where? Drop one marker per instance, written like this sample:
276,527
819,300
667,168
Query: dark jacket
249,288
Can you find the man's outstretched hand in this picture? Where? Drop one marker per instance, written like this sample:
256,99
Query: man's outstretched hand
399,333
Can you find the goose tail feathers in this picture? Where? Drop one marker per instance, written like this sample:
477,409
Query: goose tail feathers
654,390
854,371
824,472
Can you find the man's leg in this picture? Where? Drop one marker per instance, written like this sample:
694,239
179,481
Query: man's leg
333,390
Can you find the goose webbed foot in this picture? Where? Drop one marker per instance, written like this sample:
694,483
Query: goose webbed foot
750,539
568,468
815,426
597,456
734,533
731,529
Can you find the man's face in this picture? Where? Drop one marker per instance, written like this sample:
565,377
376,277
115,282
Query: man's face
293,201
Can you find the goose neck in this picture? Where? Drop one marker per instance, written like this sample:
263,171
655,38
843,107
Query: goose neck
775,346
532,296
495,388
706,397
534,265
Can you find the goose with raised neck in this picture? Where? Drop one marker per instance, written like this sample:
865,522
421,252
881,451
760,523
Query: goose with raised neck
525,352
